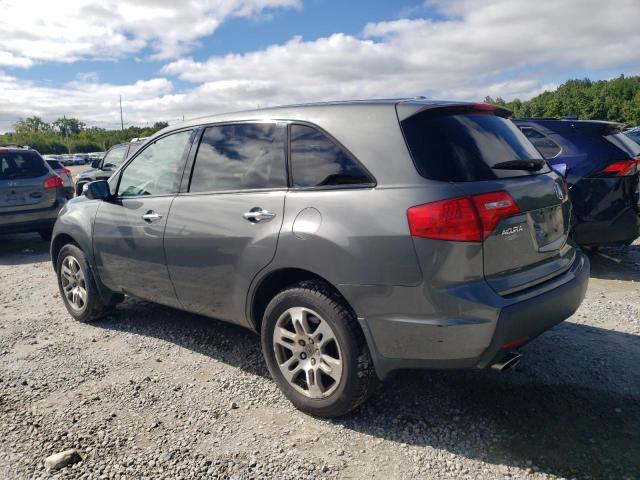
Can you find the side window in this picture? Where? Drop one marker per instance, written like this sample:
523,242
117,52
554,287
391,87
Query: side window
547,147
114,157
316,161
240,157
158,168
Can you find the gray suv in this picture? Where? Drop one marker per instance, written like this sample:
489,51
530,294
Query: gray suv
357,238
31,193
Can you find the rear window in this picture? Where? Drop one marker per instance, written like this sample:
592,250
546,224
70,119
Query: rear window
56,165
465,147
624,143
21,165
317,161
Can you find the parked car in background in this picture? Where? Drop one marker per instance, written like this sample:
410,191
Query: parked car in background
67,160
634,134
103,167
357,238
31,193
602,169
80,159
64,174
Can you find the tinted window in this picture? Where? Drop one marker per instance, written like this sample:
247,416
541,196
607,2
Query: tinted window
547,147
239,157
624,143
21,165
464,148
55,164
158,168
316,161
114,157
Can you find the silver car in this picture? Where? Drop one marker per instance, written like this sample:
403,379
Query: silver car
357,238
31,194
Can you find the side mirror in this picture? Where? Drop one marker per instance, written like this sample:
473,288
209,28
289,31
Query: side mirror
560,169
98,190
95,163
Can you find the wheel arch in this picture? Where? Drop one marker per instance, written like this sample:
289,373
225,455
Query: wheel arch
273,282
59,241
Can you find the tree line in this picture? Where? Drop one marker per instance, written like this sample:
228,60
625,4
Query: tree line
70,135
616,100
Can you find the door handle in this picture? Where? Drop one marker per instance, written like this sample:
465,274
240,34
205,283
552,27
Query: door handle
151,216
257,214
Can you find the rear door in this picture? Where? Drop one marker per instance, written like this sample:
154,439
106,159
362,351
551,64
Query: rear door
224,229
23,177
523,205
128,231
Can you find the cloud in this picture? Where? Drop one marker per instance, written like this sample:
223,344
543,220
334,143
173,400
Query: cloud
95,103
68,31
507,48
475,50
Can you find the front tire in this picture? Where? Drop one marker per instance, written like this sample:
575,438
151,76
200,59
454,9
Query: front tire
77,286
316,352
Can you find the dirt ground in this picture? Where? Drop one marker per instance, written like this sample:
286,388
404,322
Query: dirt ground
151,392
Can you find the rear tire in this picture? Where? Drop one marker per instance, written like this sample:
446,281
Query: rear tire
319,358
77,286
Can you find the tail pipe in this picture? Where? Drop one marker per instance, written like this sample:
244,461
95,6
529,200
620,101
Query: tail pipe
511,359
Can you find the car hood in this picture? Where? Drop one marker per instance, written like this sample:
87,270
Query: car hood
95,173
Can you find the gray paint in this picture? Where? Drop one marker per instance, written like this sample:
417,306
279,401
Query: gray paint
420,302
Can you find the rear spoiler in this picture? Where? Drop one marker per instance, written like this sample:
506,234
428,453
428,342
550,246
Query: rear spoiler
410,108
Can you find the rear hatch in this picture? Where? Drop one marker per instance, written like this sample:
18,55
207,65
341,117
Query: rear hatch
518,206
25,182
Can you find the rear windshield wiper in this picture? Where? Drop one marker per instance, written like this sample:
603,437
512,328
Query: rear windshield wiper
532,164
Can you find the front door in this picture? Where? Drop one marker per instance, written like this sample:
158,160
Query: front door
128,231
225,229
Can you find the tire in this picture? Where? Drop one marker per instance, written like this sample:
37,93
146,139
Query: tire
321,395
46,234
92,307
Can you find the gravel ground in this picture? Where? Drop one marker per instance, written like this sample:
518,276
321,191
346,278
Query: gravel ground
151,392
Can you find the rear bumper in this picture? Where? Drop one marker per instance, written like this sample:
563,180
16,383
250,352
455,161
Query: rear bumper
475,338
31,220
623,229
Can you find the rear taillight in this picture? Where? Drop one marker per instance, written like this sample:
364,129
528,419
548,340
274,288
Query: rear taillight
53,182
621,168
463,219
66,171
492,208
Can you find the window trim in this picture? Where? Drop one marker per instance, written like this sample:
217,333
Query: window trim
128,161
373,183
560,149
192,159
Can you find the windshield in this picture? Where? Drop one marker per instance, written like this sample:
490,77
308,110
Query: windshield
114,157
15,165
467,147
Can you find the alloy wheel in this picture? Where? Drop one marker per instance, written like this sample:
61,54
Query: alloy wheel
73,283
307,352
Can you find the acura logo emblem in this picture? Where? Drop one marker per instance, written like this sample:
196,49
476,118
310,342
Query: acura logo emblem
559,192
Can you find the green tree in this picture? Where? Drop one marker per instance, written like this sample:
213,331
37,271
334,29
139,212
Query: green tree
616,100
31,125
68,126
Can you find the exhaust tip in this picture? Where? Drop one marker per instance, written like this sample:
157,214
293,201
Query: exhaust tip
510,360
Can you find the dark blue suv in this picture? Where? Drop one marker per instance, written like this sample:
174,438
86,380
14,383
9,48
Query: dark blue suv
602,167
